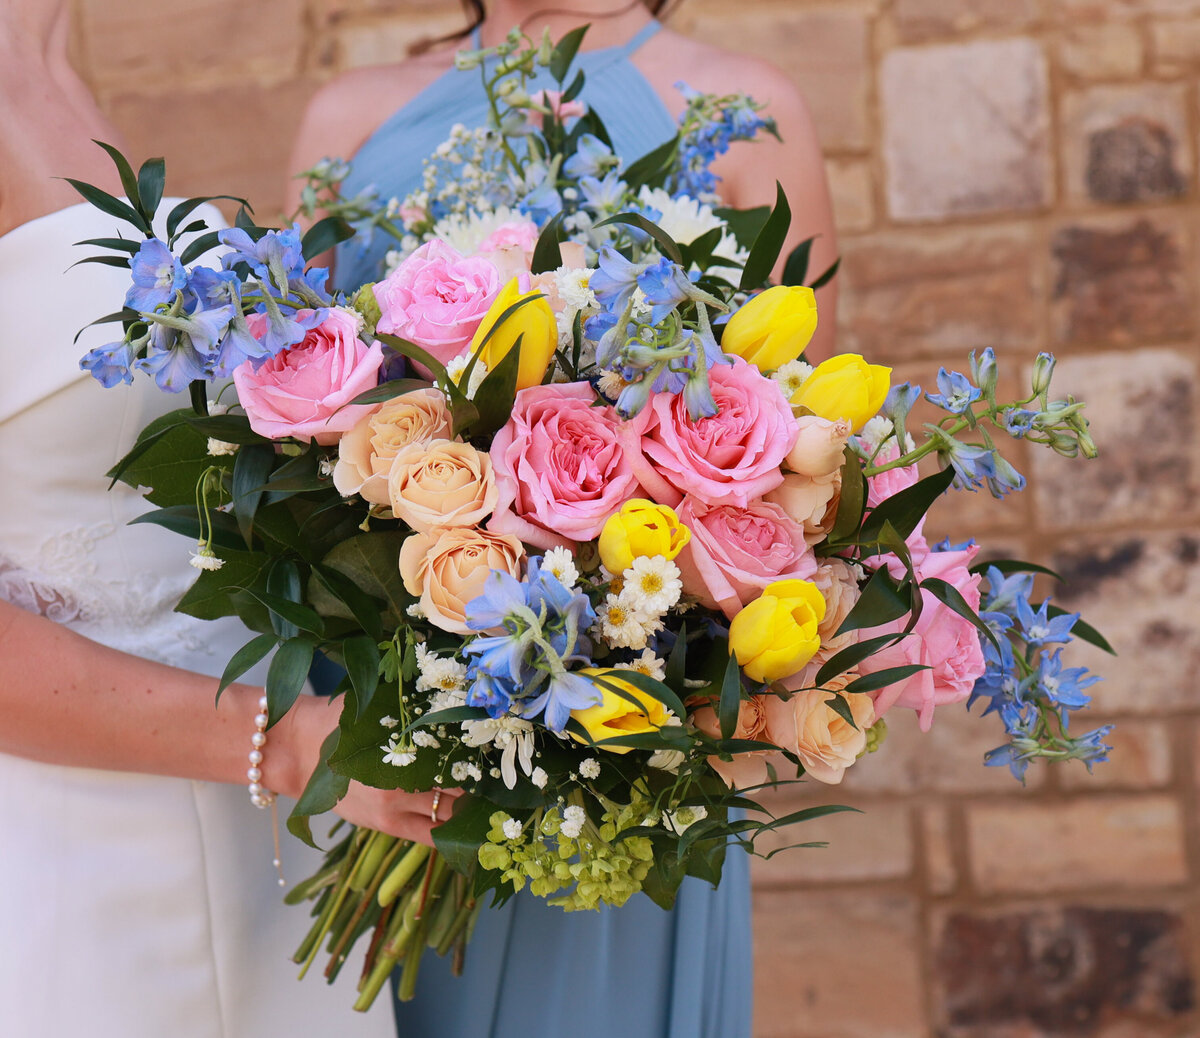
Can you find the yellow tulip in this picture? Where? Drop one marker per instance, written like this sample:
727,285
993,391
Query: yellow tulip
776,634
614,715
641,528
845,386
773,327
533,322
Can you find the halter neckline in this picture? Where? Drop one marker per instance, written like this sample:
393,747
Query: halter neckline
614,53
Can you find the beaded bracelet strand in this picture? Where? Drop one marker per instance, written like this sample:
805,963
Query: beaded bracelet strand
260,796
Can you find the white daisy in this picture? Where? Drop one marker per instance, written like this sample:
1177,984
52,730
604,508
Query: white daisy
621,625
647,664
396,753
561,563
790,377
439,674
458,366
652,584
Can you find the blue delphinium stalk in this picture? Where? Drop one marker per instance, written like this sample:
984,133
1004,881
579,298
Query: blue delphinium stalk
156,274
708,126
955,393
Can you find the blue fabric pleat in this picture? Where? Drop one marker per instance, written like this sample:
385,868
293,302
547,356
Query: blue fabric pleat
532,970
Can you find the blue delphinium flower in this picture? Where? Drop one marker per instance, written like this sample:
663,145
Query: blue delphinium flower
592,158
157,276
604,195
1063,686
110,364
955,393
972,463
1004,477
665,285
1039,628
277,255
614,280
1018,420
1002,592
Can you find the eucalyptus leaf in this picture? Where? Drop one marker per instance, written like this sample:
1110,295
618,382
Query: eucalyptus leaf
765,251
246,657
286,676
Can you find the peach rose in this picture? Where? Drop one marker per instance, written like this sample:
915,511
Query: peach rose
448,567
823,740
441,483
746,769
819,447
838,584
813,503
365,453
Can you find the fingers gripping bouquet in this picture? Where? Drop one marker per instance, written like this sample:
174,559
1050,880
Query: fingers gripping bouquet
591,541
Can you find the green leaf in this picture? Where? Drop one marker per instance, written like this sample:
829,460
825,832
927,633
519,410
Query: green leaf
666,242
853,500
653,167
676,669
565,51
251,467
388,391
324,235
828,276
286,676
546,253
232,428
122,315
851,656
795,270
451,715
151,178
371,562
361,659
185,520
129,182
199,246
459,838
698,252
211,594
950,596
121,244
495,396
575,89
188,206
293,612
1084,631
731,698
245,658
322,793
647,684
1007,566
745,223
106,203
765,251
806,814
362,607
107,261
880,603
905,510
414,352
882,678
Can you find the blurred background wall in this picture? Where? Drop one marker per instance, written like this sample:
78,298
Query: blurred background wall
1013,173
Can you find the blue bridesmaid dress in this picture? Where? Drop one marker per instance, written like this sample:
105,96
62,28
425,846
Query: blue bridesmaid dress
531,970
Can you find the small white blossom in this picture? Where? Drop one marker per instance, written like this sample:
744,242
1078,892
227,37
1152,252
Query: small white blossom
512,735
572,824
461,770
652,584
668,760
205,559
589,768
219,448
679,820
456,368
388,722
396,753
791,376
439,674
647,664
539,778
623,625
561,563
416,612
572,285
426,739
512,829
325,467
494,772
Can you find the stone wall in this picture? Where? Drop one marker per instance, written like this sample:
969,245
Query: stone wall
1014,173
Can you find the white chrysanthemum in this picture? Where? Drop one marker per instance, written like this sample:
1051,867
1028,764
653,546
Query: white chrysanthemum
510,734
458,366
426,739
679,819
205,559
512,829
589,768
220,448
572,286
647,664
686,219
466,232
874,433
561,563
620,624
439,674
574,818
791,376
388,722
539,778
397,753
652,584
461,770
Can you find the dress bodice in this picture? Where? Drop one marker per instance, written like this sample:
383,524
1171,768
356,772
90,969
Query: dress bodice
391,158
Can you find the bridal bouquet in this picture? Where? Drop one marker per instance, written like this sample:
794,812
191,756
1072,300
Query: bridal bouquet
590,540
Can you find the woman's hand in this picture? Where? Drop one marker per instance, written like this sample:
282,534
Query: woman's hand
293,749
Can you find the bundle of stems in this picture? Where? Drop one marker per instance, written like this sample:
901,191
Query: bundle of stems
401,893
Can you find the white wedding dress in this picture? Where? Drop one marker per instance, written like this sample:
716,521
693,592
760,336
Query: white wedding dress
131,906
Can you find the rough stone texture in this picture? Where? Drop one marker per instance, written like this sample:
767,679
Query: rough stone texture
918,20
1122,280
1127,144
941,874
1062,971
360,44
1143,593
853,191
1175,46
824,49
965,129
1141,406
1128,842
808,981
1106,50
918,294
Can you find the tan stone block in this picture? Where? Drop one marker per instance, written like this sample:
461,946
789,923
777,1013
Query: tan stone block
386,42
222,141
937,293
823,49
1122,279
1141,405
1126,143
853,190
918,20
1175,46
144,45
1128,841
941,875
1104,50
841,964
1143,594
875,844
1140,757
1072,11
965,129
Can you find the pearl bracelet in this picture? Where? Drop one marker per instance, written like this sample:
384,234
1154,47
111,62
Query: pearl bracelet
260,796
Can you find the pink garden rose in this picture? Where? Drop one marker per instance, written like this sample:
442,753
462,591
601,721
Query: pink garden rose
516,234
941,640
436,298
731,458
736,552
298,392
559,466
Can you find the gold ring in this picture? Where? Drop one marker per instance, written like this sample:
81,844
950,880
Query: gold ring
437,799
